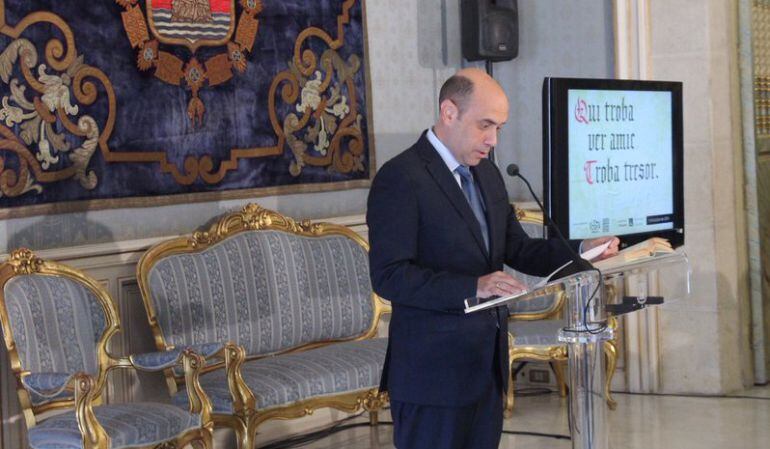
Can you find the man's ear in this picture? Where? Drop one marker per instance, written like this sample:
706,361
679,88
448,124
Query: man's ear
448,111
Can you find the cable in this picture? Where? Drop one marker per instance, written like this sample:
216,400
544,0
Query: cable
533,391
694,396
339,426
310,437
537,434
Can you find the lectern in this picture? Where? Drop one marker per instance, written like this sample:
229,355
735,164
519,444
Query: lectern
590,299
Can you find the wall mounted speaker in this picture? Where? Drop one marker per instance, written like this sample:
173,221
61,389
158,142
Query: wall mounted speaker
490,29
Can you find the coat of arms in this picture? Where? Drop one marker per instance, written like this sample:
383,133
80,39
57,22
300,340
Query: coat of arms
191,23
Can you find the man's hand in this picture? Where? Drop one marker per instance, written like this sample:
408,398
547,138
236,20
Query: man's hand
498,284
609,252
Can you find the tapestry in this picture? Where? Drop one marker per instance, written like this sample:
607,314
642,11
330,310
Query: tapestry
120,103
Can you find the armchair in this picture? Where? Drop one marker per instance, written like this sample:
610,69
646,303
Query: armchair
56,325
534,323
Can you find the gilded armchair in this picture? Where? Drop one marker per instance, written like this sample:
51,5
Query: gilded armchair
535,321
57,323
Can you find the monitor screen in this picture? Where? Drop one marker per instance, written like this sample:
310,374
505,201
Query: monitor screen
613,158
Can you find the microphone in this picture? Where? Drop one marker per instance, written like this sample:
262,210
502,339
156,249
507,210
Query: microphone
578,263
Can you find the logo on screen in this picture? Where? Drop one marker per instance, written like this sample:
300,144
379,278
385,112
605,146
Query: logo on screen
595,226
581,110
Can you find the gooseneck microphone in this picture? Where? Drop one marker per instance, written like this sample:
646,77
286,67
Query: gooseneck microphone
578,263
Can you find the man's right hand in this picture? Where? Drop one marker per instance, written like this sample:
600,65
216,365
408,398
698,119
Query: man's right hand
498,284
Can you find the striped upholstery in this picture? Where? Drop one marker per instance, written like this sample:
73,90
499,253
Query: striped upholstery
128,425
264,290
539,304
56,323
536,333
277,381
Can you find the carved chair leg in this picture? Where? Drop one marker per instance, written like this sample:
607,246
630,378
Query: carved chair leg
373,402
611,352
243,437
508,409
558,370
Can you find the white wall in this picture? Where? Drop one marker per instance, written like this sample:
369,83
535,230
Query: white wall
705,340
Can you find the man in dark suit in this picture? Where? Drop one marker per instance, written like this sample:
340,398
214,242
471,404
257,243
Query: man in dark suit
440,229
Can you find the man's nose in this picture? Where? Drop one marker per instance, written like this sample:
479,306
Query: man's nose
491,139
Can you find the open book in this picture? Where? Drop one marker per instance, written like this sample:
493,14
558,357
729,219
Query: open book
474,304
651,247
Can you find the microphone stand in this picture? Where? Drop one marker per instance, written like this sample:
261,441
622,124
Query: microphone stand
578,263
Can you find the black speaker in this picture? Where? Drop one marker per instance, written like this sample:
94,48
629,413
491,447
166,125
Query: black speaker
490,29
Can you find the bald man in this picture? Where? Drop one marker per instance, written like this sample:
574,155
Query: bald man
440,229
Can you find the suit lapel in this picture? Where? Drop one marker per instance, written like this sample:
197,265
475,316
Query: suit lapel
448,184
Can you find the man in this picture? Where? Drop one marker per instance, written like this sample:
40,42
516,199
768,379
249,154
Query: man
440,229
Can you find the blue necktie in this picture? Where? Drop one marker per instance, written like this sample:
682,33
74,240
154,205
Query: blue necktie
474,199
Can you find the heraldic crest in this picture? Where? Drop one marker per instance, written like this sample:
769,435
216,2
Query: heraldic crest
193,24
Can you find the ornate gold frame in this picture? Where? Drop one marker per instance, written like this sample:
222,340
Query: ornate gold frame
246,418
88,390
556,354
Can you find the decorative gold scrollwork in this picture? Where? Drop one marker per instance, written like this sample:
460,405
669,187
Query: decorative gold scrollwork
375,400
25,262
48,105
41,154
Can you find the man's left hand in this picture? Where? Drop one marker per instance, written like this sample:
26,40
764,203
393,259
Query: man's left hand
611,250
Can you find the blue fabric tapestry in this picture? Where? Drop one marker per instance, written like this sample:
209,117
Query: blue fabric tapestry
143,102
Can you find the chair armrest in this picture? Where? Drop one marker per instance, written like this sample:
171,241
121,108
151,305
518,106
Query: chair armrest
158,361
192,363
244,401
47,385
85,394
50,385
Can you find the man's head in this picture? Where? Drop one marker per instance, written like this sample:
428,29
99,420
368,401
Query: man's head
472,109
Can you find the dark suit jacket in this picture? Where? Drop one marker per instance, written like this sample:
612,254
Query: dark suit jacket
426,256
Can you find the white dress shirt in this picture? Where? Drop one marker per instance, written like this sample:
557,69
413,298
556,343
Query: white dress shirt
446,155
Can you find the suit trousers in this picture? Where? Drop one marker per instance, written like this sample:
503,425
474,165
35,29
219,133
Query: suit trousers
476,426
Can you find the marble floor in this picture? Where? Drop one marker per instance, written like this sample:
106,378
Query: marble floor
639,422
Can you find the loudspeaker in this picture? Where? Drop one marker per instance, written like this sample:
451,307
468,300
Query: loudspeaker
490,29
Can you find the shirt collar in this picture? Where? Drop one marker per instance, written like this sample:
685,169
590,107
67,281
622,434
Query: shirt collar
443,151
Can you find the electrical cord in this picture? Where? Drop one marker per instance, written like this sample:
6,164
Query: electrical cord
339,426
537,434
310,437
694,396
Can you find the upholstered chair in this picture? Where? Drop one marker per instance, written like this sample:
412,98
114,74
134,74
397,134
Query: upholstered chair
57,323
296,298
535,322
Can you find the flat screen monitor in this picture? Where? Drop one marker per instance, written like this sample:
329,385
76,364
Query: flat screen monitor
612,158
